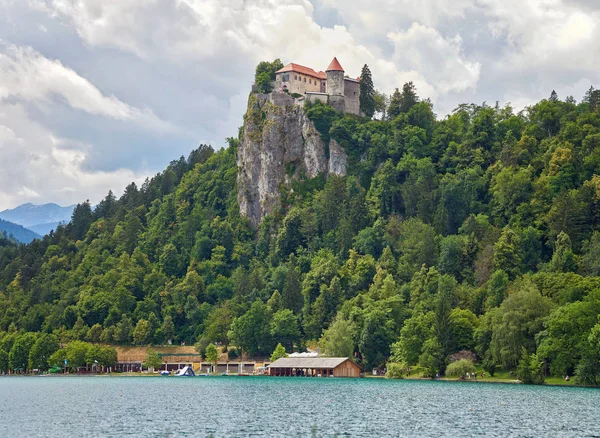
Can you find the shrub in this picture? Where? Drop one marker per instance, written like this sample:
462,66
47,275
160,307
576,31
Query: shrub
322,116
530,370
489,365
396,370
278,353
460,368
232,354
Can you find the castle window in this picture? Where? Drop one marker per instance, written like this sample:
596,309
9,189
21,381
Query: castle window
304,78
295,77
285,77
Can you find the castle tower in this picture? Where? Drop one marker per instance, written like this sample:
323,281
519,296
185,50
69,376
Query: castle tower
335,85
335,78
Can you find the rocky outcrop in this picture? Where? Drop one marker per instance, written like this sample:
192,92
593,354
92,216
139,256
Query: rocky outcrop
279,144
338,159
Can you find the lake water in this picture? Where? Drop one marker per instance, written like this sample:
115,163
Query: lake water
288,407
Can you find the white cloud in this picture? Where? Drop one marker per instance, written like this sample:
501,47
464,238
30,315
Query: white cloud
221,34
27,75
545,33
381,16
440,59
107,85
37,168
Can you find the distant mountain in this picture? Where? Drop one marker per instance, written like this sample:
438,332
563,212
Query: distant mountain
39,218
44,229
18,232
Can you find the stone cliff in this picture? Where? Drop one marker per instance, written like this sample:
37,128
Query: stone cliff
279,144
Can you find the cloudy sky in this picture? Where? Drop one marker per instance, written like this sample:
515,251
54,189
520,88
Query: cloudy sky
95,94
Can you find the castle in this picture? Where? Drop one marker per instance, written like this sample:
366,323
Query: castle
331,87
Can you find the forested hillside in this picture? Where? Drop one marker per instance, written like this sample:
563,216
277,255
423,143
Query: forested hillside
17,232
478,232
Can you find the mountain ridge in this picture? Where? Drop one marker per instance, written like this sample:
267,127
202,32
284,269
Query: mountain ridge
18,232
39,218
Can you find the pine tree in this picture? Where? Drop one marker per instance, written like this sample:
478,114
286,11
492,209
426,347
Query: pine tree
395,103
592,98
367,92
81,220
563,259
409,97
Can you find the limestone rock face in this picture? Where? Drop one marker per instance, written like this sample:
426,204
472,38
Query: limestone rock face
279,144
338,159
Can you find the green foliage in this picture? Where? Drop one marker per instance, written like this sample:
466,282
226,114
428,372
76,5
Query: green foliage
212,354
142,333
396,370
431,359
76,352
514,327
415,331
278,353
530,370
3,361
460,368
265,75
587,371
153,360
402,102
285,328
251,331
375,339
18,356
367,92
507,256
42,350
322,116
478,231
337,340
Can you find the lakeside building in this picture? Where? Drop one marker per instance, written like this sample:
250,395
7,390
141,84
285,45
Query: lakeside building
332,87
314,367
130,359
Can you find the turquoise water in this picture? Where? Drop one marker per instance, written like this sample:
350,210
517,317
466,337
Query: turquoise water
270,407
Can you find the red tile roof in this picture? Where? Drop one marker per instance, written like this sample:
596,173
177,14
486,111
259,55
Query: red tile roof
334,65
302,70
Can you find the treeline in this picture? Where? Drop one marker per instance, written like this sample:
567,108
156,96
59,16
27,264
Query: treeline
475,233
26,352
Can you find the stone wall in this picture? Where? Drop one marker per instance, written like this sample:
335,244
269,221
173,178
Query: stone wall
335,83
351,92
316,97
338,103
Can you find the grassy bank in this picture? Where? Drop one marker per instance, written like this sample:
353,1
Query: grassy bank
500,376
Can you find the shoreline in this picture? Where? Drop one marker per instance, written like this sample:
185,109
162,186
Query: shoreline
415,379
